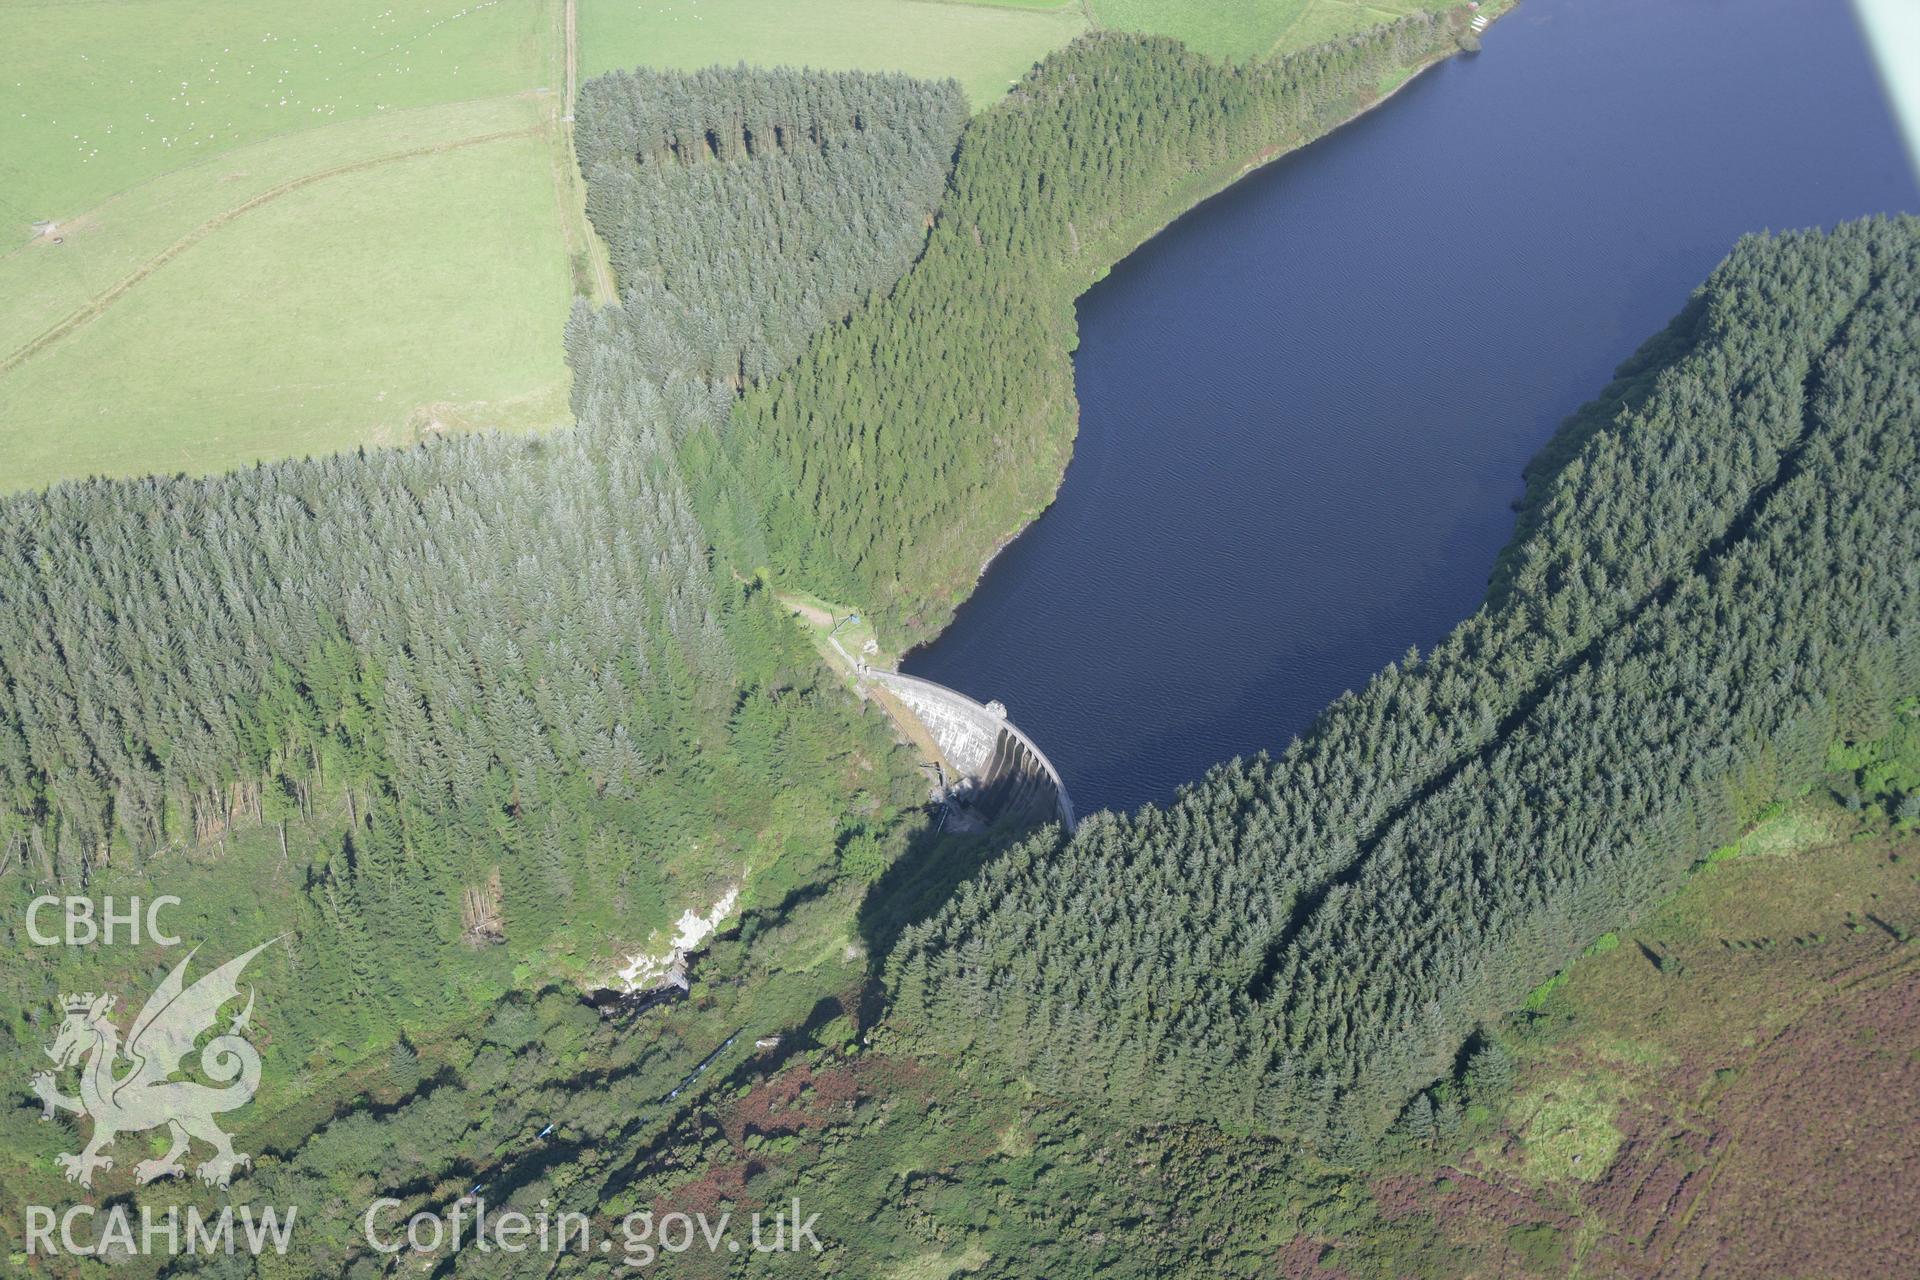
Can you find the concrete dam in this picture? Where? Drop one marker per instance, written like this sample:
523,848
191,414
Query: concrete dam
1000,771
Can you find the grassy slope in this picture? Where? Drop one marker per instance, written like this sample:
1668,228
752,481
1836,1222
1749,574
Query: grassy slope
1238,29
242,280
150,86
985,47
312,326
985,44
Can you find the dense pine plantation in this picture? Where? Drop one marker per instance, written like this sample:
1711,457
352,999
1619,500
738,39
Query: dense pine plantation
745,210
1721,582
893,457
490,688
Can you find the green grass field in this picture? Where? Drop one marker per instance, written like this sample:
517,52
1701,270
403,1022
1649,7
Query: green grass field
98,97
387,253
983,46
356,309
1253,28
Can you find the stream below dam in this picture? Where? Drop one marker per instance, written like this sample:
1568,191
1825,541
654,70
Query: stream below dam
1305,406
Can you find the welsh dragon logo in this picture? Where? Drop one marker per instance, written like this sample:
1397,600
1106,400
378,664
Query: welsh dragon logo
145,1096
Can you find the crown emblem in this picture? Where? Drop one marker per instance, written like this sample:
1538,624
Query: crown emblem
78,1003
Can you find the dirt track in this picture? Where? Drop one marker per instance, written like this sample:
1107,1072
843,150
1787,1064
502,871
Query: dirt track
102,301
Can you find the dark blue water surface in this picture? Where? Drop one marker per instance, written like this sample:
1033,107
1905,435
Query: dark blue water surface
1305,406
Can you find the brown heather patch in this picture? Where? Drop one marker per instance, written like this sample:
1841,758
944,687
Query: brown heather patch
1765,1089
1399,1195
900,1077
720,1187
1306,1258
1478,1201
1820,1175
794,1101
1648,1193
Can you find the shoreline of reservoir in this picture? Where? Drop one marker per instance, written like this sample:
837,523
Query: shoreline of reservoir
1186,200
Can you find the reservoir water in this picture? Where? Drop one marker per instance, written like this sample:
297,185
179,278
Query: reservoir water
1305,406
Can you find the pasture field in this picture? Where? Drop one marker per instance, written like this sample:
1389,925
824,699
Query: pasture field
278,231
1242,29
97,97
421,293
983,46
